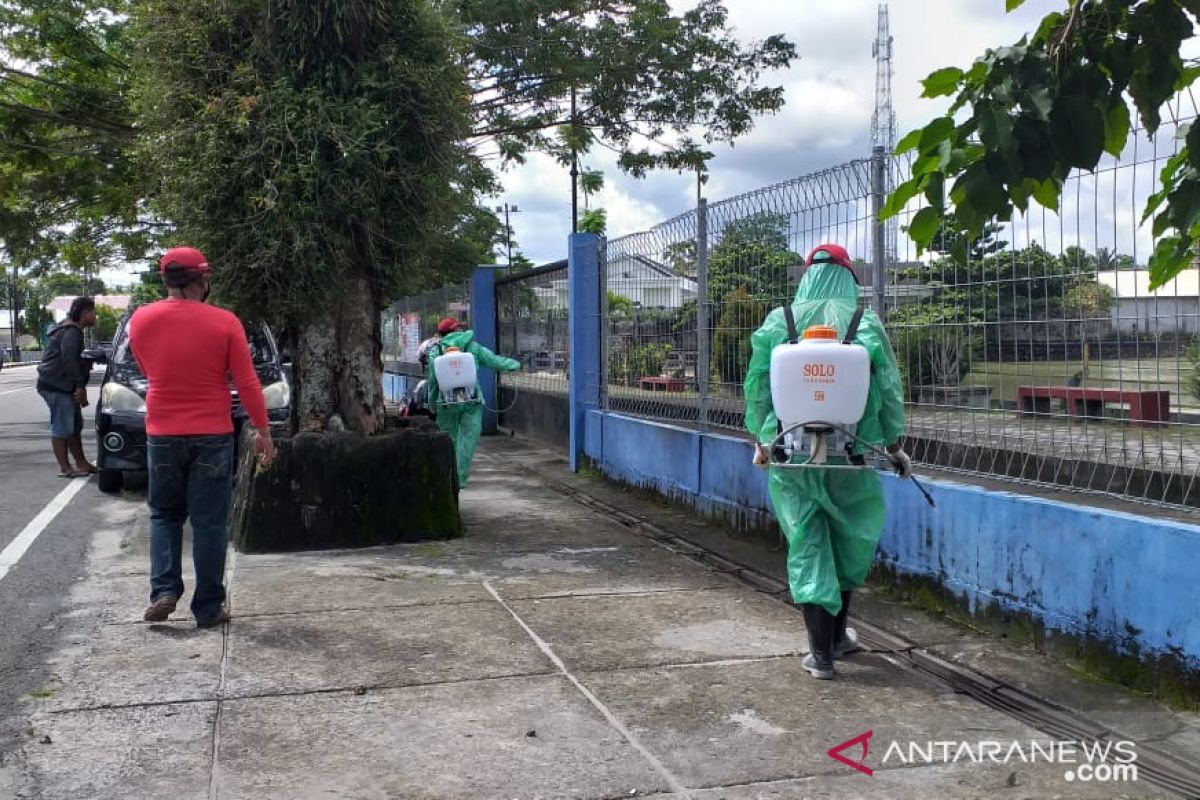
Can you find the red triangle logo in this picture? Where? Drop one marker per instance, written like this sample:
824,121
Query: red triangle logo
863,739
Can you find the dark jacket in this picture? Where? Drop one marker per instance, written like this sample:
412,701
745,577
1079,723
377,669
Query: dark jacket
62,368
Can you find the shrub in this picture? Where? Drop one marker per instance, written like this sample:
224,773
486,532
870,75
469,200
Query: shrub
741,315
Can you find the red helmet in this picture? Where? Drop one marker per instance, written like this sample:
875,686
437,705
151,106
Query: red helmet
832,253
448,325
189,258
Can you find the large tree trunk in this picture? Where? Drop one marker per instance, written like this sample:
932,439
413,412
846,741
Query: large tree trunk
338,366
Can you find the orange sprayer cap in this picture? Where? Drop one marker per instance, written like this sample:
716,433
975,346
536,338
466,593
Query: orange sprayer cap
453,349
820,332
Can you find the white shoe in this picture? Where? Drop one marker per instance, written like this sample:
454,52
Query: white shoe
814,669
847,644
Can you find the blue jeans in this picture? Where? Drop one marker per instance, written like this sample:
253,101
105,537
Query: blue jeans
190,476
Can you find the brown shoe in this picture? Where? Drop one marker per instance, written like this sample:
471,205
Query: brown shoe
216,621
161,608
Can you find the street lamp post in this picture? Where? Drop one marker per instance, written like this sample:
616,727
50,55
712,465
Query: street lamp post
507,209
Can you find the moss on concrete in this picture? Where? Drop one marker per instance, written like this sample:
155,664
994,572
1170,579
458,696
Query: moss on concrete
1163,676
340,490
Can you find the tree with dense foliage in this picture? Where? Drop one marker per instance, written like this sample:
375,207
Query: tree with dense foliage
312,151
753,253
1024,116
638,73
330,155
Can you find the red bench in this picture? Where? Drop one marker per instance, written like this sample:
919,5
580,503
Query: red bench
1148,408
663,384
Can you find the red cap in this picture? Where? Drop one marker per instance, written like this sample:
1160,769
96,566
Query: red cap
833,253
187,257
448,325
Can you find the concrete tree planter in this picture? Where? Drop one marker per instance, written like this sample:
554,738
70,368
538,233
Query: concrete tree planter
340,490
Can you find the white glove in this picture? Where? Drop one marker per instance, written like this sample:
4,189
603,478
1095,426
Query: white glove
762,456
902,464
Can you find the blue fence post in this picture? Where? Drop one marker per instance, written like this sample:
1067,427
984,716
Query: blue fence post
483,323
583,280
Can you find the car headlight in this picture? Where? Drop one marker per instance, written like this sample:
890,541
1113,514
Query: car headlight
116,398
278,395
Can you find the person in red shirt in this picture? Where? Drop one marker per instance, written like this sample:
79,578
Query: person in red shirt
187,351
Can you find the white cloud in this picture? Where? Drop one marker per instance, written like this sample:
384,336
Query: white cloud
830,95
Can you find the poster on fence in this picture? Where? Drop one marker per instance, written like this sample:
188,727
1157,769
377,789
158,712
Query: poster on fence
410,337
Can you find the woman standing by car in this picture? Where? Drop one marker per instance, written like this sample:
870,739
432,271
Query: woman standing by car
62,382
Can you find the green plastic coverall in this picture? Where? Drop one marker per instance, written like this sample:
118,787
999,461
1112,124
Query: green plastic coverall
832,518
463,421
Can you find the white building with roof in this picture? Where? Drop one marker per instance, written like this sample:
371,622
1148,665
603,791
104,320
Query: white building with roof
645,282
1172,308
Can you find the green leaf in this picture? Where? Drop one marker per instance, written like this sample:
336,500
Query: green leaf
901,196
1116,127
1183,204
1013,5
936,131
1047,193
1193,145
935,190
942,82
995,127
924,226
1172,255
1077,131
909,141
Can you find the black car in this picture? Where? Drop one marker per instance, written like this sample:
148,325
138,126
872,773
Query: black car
121,412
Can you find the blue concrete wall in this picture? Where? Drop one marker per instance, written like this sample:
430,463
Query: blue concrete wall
483,323
1125,579
584,321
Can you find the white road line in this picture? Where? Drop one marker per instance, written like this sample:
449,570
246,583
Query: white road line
676,785
14,391
17,547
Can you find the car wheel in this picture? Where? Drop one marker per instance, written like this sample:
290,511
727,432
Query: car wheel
109,480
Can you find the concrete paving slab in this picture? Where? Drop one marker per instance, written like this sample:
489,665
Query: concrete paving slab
601,570
601,633
313,584
120,754
131,664
756,722
126,598
386,647
468,740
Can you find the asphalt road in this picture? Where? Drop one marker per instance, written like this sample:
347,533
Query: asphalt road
34,590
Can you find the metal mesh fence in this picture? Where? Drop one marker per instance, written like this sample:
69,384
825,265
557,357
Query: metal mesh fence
531,319
1044,356
684,297
413,320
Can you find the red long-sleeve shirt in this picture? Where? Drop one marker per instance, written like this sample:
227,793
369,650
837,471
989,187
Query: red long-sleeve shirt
187,351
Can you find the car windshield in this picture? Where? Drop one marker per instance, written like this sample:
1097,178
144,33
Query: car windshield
262,346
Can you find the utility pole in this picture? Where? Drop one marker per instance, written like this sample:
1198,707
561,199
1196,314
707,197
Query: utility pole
507,209
574,168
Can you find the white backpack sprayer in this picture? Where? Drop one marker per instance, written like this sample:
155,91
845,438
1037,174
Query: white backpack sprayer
457,376
819,388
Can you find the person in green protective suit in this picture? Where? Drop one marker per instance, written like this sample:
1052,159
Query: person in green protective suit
462,421
832,518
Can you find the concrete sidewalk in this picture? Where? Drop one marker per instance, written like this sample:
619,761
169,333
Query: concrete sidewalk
552,652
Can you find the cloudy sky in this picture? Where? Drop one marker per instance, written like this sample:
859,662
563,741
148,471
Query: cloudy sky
830,94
